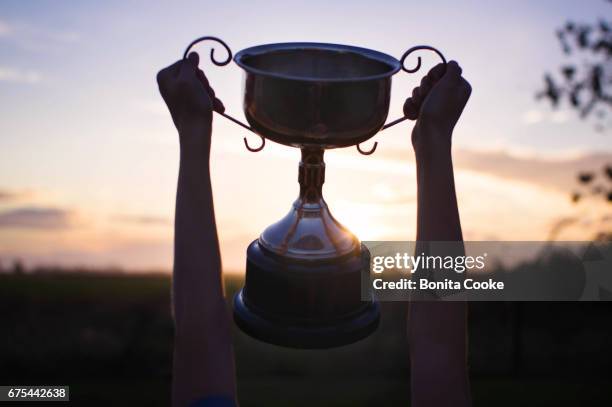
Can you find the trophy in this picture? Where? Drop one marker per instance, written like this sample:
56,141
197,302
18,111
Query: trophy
303,274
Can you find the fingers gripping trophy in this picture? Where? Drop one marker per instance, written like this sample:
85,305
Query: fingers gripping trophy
303,274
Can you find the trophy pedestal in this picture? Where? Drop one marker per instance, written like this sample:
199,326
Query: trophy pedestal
304,274
304,305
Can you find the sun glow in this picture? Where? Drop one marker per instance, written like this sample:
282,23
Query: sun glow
368,221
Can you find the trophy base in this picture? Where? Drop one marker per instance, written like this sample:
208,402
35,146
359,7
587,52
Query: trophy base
305,304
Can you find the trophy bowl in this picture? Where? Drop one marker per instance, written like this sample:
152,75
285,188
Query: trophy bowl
311,93
303,285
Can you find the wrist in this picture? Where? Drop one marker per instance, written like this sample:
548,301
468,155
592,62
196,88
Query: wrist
430,144
194,139
193,125
196,159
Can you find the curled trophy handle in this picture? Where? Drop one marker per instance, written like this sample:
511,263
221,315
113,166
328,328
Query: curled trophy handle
223,63
409,70
418,65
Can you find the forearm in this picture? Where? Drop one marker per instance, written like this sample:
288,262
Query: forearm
437,209
197,284
203,356
437,330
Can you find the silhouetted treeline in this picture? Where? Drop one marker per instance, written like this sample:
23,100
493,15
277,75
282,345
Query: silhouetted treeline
109,336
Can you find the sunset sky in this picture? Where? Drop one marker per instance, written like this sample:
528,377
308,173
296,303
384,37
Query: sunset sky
89,155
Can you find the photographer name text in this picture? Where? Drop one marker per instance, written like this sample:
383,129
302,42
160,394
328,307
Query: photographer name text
446,284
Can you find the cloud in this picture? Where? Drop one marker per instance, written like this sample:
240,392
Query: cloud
14,75
142,220
36,218
35,37
6,195
535,116
133,255
560,116
24,32
558,174
532,117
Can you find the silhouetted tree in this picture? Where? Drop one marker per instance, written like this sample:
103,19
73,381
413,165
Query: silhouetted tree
594,183
585,82
18,267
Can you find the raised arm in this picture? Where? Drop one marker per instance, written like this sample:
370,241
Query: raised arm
203,356
437,330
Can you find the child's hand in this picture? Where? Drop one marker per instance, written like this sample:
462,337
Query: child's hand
188,95
437,105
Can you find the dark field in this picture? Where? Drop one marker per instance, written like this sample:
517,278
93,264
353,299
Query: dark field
110,338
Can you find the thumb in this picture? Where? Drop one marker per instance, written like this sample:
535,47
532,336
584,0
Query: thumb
194,58
186,71
453,72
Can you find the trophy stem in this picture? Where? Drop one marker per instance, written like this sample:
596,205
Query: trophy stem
303,277
311,174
